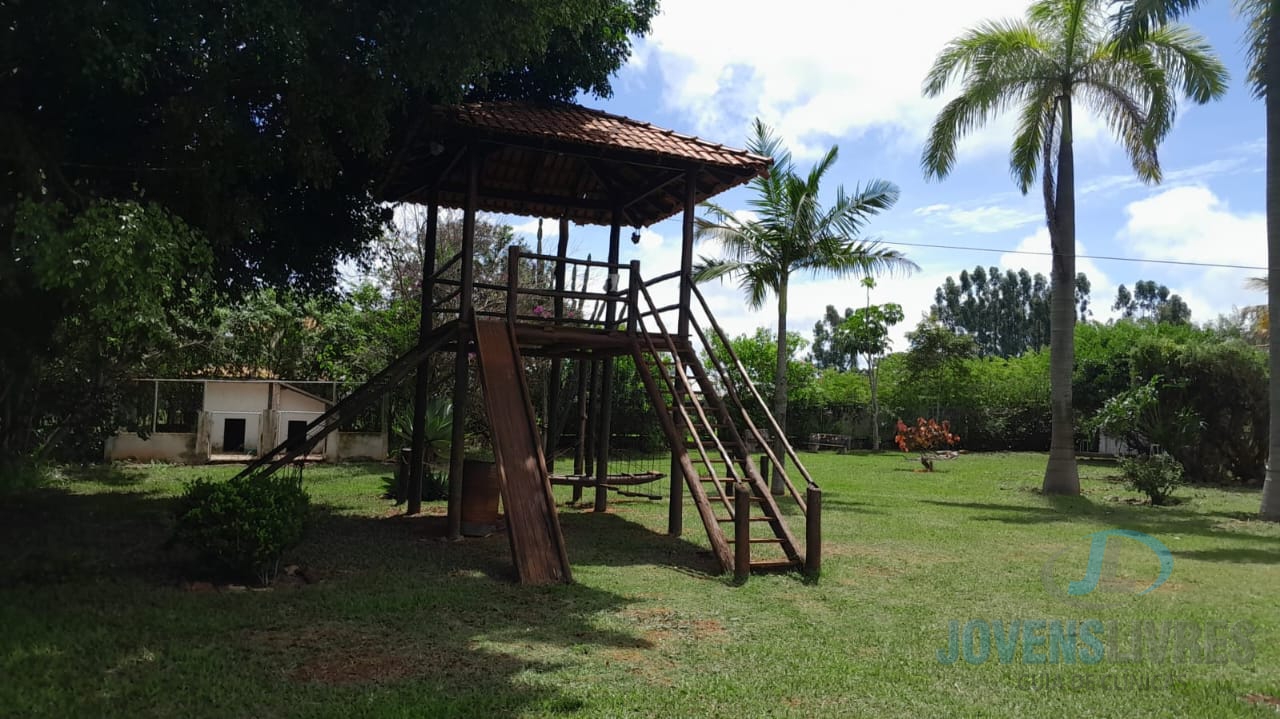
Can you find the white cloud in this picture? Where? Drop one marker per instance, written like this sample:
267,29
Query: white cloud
981,219
1192,224
816,70
1184,175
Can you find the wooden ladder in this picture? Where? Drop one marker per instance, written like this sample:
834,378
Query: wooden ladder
713,456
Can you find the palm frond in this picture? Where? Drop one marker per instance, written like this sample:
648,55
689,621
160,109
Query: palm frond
707,269
1257,17
973,108
981,50
1134,19
1190,61
1033,130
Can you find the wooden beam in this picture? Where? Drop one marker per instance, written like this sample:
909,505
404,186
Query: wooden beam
557,367
457,449
675,510
606,383
422,382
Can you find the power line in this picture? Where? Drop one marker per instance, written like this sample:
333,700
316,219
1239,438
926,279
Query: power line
1078,257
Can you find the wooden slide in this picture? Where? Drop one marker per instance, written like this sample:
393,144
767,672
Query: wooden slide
537,545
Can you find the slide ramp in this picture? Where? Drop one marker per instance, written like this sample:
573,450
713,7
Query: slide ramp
533,526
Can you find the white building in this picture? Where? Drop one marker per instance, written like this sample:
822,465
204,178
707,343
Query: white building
197,421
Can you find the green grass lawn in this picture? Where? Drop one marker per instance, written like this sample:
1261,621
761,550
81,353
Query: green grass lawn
97,620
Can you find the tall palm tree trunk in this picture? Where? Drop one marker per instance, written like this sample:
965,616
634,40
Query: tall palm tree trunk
1061,476
1271,489
780,387
872,372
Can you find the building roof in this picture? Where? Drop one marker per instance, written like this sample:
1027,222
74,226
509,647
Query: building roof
554,160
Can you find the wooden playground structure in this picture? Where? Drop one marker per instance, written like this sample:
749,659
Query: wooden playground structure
588,167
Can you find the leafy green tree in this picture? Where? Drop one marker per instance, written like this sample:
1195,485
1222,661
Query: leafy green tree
935,362
793,233
268,125
867,331
830,349
1063,56
1006,314
114,291
1151,301
1134,19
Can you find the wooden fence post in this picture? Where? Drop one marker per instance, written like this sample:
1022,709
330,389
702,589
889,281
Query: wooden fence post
741,532
813,533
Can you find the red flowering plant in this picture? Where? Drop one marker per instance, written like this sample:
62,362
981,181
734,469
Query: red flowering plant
927,437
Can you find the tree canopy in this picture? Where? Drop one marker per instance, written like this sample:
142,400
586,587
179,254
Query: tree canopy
1006,313
267,125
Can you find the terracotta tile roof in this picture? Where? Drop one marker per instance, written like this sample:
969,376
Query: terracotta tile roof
561,160
574,123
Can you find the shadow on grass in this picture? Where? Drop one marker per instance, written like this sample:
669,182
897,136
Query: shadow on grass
1241,556
394,619
1181,519
845,505
612,540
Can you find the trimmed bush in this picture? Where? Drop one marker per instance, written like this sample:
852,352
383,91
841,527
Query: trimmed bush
243,526
1156,476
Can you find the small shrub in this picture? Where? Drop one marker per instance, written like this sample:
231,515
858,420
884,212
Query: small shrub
21,475
244,525
1156,476
927,436
435,486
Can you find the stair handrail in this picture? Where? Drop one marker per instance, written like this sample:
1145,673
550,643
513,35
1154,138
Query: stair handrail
742,370
746,416
332,417
730,468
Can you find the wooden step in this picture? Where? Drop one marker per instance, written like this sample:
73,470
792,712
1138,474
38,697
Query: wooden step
749,519
763,540
776,565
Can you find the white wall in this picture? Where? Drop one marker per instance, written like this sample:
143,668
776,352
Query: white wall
159,447
245,397
362,445
291,401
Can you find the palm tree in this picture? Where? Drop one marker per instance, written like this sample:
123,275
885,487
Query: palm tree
789,232
1066,55
1262,37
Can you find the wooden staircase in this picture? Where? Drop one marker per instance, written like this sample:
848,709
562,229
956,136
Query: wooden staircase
708,436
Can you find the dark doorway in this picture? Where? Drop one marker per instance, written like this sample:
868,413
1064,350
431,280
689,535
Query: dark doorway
297,432
233,435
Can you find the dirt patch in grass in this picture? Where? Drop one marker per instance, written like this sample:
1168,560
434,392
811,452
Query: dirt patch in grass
661,625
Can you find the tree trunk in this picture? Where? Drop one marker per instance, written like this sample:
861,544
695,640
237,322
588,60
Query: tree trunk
1271,489
1061,475
875,404
780,389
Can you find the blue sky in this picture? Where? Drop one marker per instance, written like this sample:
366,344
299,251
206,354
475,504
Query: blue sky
849,74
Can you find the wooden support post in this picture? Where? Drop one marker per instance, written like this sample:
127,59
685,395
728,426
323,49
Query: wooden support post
741,532
813,533
765,468
580,442
675,509
593,416
606,369
686,252
513,282
554,420
418,454
458,449
633,298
